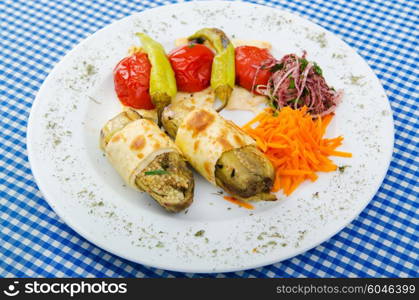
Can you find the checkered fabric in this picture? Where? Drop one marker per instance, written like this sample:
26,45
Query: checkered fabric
34,242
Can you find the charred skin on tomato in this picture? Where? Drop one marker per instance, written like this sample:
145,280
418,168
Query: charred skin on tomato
164,174
223,68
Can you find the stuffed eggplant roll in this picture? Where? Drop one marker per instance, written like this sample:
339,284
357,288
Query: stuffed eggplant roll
148,160
221,152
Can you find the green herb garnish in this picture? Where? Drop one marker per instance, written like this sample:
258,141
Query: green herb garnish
276,67
156,172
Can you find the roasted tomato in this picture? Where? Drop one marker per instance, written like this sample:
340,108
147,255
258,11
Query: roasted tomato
132,81
248,61
192,66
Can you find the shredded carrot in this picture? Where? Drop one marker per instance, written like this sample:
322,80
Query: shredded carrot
239,203
293,141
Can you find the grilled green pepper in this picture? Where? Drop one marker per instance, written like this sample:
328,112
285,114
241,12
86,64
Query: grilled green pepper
223,66
162,77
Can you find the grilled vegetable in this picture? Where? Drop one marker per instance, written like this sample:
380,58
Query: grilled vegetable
221,152
192,66
132,81
148,160
223,69
162,77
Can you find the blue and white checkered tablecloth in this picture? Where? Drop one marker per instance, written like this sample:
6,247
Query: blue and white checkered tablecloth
34,242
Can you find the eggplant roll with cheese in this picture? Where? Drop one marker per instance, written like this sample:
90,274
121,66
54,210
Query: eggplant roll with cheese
221,152
148,160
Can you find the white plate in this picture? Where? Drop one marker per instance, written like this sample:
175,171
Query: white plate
78,97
